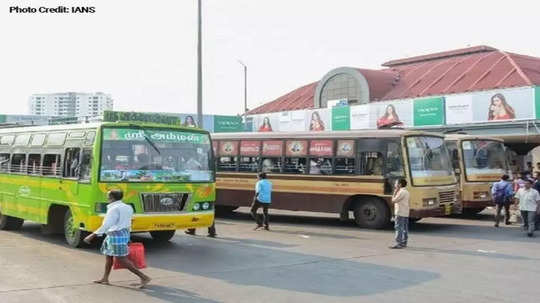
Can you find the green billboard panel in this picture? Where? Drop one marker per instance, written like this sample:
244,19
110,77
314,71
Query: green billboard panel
114,116
341,118
227,124
429,111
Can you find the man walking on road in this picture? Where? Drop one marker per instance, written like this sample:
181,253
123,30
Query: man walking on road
502,193
529,200
263,198
116,226
400,198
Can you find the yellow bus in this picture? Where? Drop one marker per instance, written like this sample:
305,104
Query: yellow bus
338,172
59,176
478,162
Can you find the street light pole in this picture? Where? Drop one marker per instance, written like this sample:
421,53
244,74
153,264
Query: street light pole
199,70
245,86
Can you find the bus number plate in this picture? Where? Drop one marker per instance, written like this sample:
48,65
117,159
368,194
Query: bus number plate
448,209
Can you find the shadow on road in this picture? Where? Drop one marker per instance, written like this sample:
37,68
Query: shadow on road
246,263
168,294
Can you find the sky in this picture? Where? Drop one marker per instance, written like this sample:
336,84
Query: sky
144,53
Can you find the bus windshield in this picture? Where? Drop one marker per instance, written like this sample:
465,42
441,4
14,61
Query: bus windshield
429,161
484,160
155,155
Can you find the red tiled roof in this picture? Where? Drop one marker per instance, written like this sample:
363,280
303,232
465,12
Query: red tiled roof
457,71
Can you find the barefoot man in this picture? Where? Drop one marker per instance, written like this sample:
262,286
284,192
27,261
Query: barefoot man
116,226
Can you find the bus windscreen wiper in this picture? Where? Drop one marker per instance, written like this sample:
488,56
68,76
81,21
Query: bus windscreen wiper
151,142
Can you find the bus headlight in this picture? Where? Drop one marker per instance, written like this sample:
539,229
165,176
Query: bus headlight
196,206
429,201
205,205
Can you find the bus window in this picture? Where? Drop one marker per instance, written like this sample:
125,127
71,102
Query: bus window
320,166
371,163
71,162
18,163
345,166
227,163
271,165
34,164
249,164
4,162
86,165
393,162
51,165
294,166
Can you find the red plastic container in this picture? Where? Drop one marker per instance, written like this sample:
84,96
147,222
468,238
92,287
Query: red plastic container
136,256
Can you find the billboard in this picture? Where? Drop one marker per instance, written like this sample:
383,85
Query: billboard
398,113
429,111
491,106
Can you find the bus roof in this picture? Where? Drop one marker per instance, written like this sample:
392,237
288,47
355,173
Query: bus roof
456,137
93,125
386,133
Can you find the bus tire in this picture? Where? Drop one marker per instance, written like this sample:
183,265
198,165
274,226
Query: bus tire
371,213
74,236
10,223
162,235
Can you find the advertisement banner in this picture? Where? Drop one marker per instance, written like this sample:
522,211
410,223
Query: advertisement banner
503,105
250,148
228,148
319,119
345,148
537,101
392,113
429,111
359,116
458,109
296,148
321,148
492,106
267,122
272,148
341,118
293,121
227,124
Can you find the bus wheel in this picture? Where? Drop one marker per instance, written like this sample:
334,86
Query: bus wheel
10,223
162,235
372,214
74,236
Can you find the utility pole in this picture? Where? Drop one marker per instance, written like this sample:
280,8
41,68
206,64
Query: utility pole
245,93
199,71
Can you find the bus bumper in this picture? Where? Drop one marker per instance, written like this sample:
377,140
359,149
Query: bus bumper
142,222
477,204
444,210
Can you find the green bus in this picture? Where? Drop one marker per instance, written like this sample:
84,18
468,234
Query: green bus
59,176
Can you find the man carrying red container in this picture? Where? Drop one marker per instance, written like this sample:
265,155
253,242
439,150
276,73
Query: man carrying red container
116,226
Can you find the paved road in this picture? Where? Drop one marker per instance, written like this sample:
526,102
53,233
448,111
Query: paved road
303,259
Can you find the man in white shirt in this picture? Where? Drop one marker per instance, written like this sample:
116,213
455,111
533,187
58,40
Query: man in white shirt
117,226
528,199
401,198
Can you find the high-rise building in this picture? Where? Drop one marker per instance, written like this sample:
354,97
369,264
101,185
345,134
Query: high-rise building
70,104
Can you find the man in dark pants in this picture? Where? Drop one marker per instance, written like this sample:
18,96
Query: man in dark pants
502,193
263,198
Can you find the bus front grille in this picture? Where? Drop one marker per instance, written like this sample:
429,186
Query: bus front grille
164,202
447,197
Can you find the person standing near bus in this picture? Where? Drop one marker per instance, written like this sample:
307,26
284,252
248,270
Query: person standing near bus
401,200
529,201
117,226
211,231
263,198
502,193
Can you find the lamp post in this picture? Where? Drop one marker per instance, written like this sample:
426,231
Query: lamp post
245,91
199,70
